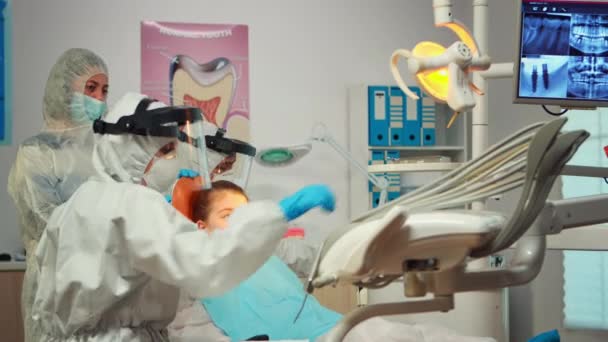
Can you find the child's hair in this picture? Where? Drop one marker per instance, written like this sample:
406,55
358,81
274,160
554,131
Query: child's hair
201,206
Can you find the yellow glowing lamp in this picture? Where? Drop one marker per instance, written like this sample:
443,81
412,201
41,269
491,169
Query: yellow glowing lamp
433,82
442,72
463,34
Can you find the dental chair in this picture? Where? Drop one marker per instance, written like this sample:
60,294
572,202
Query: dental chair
429,241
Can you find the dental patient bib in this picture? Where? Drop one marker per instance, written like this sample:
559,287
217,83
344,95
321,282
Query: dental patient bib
267,304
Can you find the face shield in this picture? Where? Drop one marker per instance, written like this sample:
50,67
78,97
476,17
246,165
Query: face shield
173,136
229,159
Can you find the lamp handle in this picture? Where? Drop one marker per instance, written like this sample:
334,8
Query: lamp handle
397,75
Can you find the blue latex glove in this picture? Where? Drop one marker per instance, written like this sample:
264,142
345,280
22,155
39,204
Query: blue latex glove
549,336
168,198
187,173
307,198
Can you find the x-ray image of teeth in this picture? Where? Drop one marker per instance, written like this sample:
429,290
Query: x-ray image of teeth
545,34
588,77
589,35
543,76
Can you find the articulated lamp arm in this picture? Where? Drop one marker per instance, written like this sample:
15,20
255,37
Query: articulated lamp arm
321,134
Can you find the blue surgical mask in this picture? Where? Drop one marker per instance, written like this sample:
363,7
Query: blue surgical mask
85,108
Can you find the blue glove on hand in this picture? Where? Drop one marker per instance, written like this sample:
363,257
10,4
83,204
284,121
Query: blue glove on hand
187,173
307,198
549,336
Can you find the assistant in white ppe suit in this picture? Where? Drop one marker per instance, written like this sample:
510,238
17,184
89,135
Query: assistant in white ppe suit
114,258
51,165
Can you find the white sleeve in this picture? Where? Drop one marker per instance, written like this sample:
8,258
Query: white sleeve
193,324
167,246
32,184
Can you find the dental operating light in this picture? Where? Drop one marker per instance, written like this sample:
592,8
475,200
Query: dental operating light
444,73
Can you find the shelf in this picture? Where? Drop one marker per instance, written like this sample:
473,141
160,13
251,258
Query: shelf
417,148
412,167
12,266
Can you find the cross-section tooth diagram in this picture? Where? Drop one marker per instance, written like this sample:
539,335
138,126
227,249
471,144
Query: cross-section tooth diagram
588,77
546,34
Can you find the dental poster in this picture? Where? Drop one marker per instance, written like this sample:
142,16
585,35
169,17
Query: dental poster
200,65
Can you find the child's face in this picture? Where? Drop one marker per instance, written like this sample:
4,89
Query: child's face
222,205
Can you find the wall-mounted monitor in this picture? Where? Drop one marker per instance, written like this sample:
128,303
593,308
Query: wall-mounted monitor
562,53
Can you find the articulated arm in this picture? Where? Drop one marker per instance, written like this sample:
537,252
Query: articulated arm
320,134
530,249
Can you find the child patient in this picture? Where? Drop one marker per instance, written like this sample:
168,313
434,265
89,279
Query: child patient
269,300
211,208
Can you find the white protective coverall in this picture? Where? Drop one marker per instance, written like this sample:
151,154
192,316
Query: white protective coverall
114,257
51,165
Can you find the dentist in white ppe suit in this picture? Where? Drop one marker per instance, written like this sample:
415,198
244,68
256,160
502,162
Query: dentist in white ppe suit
114,258
51,165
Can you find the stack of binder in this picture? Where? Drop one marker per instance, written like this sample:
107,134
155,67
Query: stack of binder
394,179
377,157
397,120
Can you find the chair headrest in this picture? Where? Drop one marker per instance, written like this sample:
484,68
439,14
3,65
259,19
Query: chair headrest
183,195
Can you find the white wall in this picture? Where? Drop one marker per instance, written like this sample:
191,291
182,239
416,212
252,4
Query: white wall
303,54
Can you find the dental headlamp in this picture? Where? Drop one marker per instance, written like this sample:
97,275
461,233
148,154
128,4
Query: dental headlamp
160,122
227,146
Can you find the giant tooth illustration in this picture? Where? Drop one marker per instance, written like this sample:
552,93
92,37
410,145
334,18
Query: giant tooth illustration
209,86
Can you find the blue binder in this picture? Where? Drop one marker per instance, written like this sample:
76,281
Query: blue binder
394,179
378,157
378,113
393,195
428,120
411,120
397,103
392,156
375,199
